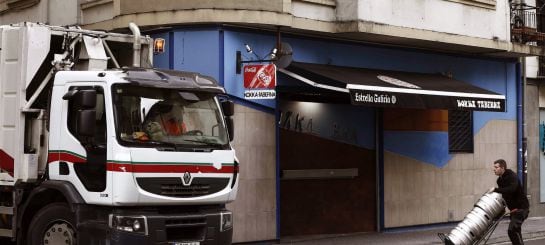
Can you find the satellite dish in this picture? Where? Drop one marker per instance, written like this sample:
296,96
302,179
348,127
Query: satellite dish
284,56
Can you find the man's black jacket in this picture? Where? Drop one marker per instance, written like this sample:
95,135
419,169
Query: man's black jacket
511,190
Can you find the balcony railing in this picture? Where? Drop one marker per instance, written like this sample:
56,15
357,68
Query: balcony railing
527,25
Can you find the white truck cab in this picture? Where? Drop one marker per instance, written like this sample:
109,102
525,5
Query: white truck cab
96,153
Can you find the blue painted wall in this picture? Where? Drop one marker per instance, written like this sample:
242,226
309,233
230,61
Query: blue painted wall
195,50
494,75
200,50
428,147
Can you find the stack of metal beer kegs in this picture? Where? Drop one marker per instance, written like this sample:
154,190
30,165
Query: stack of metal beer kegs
478,222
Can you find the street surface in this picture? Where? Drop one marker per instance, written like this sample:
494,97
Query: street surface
535,242
539,241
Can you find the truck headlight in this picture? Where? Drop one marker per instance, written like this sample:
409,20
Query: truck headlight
226,221
136,224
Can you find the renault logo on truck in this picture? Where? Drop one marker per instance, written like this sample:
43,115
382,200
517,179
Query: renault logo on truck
186,179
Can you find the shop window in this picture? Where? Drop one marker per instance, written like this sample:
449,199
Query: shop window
460,131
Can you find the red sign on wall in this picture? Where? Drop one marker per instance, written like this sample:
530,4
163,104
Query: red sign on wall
260,76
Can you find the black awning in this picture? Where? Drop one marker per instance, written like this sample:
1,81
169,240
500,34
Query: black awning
384,88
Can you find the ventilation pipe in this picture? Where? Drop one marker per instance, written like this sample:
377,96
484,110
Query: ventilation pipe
136,45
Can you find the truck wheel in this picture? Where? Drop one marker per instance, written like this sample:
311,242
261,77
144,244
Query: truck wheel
54,224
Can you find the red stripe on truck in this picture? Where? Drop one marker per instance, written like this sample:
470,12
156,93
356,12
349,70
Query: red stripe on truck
167,168
151,167
64,156
6,162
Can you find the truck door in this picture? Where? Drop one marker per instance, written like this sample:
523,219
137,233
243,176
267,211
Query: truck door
84,152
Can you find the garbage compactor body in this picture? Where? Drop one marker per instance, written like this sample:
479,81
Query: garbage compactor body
479,222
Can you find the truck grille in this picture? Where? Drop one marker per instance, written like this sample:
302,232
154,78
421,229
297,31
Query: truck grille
173,187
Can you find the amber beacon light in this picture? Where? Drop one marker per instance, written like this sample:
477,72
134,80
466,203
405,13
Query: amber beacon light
159,46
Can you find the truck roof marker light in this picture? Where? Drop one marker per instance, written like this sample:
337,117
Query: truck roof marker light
159,46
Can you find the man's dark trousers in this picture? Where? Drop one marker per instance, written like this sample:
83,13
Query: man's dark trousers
517,217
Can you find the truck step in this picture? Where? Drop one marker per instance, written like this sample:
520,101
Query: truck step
6,210
6,233
6,180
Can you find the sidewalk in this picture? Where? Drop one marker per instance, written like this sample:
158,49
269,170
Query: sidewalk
532,228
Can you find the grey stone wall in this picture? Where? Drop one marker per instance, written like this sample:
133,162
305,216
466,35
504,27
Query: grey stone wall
53,12
255,206
531,115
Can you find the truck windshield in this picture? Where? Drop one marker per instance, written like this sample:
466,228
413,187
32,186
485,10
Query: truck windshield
167,118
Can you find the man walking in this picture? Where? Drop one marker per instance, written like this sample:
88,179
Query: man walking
517,202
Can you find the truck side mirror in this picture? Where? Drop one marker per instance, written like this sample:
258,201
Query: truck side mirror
86,99
230,128
86,122
228,108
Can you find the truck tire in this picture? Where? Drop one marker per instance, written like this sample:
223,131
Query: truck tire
53,224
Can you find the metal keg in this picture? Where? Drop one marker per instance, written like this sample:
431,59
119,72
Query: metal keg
492,203
479,219
477,222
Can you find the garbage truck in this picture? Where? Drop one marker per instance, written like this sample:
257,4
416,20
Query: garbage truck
97,147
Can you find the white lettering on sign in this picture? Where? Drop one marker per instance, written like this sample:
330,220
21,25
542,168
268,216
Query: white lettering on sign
375,98
260,94
489,104
466,103
479,104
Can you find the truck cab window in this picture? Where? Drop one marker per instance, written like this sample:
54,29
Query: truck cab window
168,118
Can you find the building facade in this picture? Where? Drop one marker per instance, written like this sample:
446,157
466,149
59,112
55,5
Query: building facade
312,160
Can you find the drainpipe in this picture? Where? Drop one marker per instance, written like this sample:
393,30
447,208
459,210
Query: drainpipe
522,139
524,136
136,45
521,124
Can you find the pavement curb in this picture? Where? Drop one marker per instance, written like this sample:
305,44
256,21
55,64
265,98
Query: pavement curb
533,229
531,235
505,238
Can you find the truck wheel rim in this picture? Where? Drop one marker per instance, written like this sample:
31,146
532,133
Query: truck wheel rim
60,232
